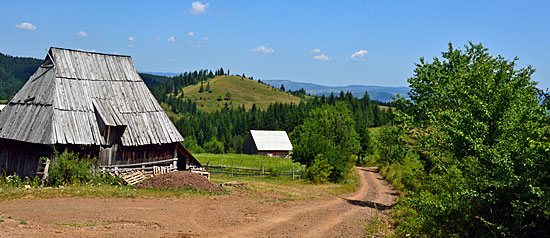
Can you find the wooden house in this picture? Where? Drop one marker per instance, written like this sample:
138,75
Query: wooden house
268,143
90,103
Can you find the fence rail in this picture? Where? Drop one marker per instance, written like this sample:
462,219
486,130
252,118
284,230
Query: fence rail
244,171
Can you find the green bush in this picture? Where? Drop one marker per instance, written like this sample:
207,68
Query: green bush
214,146
391,145
67,168
329,130
480,128
320,169
192,145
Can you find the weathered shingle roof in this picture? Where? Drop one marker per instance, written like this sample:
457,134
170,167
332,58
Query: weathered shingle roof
271,140
63,100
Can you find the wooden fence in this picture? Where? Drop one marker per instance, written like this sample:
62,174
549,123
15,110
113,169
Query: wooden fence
245,171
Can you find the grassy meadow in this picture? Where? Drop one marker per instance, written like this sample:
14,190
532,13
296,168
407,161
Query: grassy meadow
243,91
248,161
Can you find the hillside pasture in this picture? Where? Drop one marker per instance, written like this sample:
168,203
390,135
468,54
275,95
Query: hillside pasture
242,91
257,162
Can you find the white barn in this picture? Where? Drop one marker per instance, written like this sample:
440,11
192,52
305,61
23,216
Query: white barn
268,143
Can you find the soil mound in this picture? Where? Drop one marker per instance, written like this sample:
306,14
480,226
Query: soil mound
179,179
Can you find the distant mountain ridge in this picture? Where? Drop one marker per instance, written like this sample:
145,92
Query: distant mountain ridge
165,74
380,93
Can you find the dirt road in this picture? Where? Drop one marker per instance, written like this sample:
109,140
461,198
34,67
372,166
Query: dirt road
201,216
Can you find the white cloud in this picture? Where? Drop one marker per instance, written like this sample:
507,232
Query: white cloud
359,55
198,8
157,38
83,34
26,26
263,49
190,33
315,51
322,57
171,39
86,50
131,46
189,42
131,38
205,38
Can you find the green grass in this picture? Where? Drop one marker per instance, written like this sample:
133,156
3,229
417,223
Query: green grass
97,191
4,101
77,224
243,92
376,227
248,161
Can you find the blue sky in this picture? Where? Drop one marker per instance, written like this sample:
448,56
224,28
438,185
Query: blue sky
325,42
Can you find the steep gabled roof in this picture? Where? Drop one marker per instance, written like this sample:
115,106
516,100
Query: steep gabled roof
73,93
271,140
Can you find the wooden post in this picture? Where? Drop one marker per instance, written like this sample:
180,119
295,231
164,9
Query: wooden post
46,169
292,171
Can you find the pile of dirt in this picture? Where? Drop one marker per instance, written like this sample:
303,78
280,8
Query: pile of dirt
179,179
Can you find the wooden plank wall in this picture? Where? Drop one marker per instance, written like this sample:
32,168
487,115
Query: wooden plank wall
142,154
21,158
249,147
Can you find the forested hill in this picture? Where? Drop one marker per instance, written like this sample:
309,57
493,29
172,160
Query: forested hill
14,72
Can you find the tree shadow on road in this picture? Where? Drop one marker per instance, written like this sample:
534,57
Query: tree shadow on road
375,205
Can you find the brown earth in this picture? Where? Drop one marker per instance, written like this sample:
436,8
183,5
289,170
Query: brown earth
201,216
179,179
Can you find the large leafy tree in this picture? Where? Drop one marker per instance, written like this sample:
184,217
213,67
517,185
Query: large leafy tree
482,133
328,134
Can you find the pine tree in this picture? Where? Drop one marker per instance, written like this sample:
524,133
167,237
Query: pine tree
283,87
208,87
202,88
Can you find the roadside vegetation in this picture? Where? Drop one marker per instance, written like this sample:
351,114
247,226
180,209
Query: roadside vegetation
70,176
470,150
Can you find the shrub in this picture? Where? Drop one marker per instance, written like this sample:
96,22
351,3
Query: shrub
320,169
391,145
67,168
214,146
329,130
192,145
